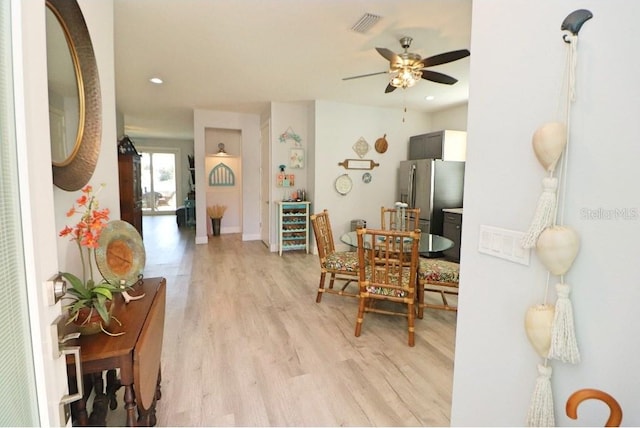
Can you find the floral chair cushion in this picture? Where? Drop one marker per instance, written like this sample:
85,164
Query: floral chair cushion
386,291
345,261
437,270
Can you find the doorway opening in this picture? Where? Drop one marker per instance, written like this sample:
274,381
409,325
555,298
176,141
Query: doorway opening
158,179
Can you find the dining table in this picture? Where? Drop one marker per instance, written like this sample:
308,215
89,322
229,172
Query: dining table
431,245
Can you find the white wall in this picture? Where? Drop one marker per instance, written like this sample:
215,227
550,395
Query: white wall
454,118
517,68
337,128
293,116
249,125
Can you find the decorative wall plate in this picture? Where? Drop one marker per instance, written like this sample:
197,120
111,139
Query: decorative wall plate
344,184
366,177
120,254
361,147
381,144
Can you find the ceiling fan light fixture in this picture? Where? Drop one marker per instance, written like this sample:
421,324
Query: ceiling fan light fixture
406,77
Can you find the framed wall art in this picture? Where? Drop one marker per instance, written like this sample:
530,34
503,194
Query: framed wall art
296,158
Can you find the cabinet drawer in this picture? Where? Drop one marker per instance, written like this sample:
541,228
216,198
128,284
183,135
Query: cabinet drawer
453,218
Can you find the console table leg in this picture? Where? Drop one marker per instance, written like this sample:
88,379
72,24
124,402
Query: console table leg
79,408
100,402
113,384
130,405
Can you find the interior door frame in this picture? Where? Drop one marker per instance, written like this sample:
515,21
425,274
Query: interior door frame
36,201
265,183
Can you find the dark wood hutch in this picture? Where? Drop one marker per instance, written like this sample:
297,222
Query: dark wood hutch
129,173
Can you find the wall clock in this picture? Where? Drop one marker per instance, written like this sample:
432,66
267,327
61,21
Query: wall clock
343,184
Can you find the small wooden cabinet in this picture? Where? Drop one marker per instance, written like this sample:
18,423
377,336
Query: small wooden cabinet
293,226
129,174
452,229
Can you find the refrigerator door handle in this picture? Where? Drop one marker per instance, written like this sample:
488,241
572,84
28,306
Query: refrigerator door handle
412,178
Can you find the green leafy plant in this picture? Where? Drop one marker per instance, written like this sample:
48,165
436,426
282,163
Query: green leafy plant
89,295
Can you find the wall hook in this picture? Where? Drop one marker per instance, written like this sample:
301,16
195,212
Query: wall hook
615,415
573,22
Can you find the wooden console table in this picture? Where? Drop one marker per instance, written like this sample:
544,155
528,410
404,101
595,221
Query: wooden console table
136,353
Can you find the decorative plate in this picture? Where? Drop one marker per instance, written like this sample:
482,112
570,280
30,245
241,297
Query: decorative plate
344,184
361,147
366,177
120,254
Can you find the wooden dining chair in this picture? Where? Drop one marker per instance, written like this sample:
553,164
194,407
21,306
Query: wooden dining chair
387,271
340,265
437,276
405,219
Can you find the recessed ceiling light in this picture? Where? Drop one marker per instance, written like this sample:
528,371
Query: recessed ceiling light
156,80
429,98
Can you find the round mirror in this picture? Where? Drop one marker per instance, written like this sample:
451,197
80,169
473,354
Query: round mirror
74,96
64,101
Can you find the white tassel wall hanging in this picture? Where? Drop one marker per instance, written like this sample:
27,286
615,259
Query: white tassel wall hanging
537,325
549,328
564,346
544,214
557,248
541,411
548,143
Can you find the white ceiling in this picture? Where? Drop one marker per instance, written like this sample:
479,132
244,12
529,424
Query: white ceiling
239,55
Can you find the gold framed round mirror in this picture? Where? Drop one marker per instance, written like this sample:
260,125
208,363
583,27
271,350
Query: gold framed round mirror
75,104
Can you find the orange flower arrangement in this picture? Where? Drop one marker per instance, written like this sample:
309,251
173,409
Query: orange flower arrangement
85,292
87,231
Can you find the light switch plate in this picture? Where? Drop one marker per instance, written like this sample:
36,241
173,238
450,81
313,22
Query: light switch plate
503,243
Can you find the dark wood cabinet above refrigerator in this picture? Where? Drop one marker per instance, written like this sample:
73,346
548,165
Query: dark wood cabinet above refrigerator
445,145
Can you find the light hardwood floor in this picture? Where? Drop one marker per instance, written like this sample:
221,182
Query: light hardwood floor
246,345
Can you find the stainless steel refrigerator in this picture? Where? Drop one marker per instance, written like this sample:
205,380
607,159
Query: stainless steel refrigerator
431,185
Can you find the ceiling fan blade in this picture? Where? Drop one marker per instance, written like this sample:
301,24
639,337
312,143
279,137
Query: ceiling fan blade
389,88
364,75
434,76
444,58
389,55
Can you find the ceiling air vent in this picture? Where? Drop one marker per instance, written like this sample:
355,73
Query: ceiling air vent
365,23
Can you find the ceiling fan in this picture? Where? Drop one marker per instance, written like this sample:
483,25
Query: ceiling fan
408,68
